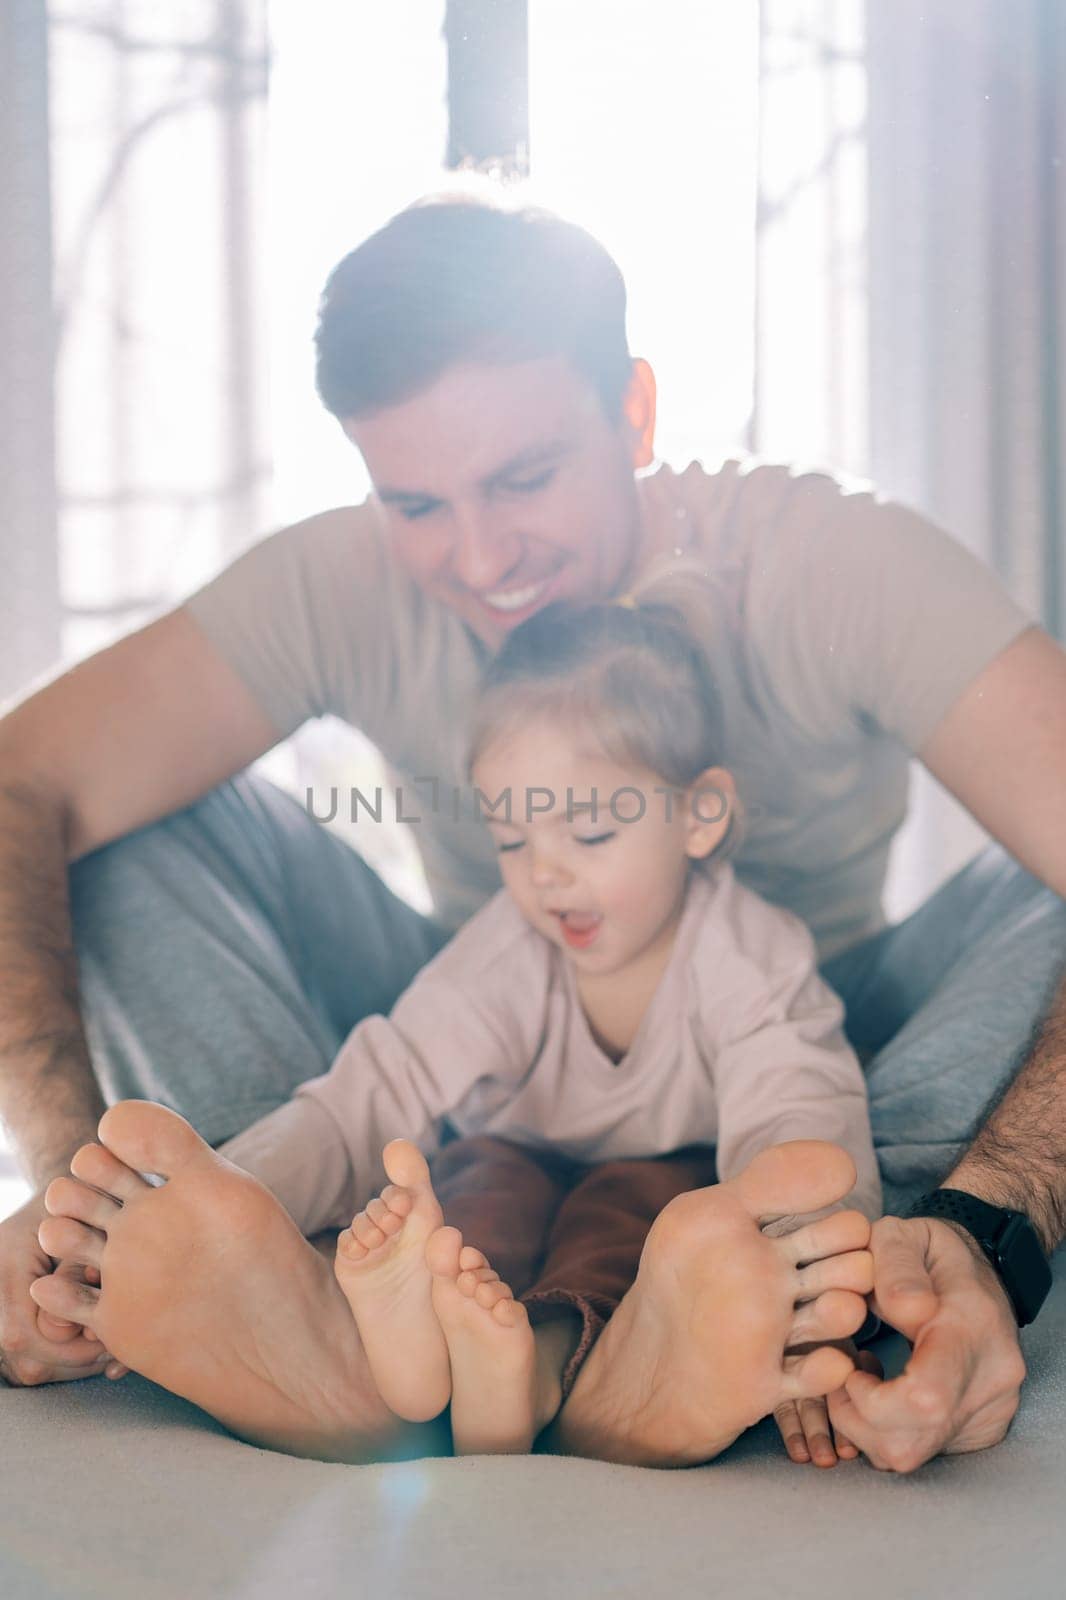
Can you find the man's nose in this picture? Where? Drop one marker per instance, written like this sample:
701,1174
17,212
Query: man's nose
482,555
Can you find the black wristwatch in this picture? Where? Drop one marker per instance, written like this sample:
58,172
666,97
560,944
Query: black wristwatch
1007,1238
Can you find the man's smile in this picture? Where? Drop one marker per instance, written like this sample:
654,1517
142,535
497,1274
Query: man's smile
514,599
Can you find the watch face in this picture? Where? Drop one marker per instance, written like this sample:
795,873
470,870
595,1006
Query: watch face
1023,1268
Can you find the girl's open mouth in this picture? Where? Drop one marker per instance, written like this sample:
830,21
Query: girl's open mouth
579,927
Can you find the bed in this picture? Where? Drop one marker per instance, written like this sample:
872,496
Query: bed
120,1490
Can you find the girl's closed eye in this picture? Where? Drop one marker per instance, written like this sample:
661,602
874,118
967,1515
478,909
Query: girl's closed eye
596,838
504,847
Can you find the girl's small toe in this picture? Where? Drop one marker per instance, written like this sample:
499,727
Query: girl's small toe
368,1233
399,1201
490,1293
348,1245
471,1279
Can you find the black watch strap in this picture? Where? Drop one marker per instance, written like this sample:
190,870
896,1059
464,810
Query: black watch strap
984,1221
1008,1240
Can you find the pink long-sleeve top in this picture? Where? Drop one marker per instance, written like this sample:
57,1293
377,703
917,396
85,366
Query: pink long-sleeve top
741,1047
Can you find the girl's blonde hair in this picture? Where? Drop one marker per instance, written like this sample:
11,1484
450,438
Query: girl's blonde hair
631,672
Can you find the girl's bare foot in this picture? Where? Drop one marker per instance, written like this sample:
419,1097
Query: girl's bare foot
506,1382
207,1287
381,1267
695,1353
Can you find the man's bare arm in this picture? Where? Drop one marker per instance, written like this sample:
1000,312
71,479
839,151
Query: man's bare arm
1002,751
49,1100
1018,1157
128,736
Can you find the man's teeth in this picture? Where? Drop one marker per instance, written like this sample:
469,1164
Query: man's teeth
515,599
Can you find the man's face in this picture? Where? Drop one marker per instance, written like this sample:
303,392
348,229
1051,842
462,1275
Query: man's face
506,487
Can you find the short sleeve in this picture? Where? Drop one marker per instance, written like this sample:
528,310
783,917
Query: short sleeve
866,615
316,618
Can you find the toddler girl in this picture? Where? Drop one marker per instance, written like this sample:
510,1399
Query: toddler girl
623,996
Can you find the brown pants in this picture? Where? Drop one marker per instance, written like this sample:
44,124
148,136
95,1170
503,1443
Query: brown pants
562,1234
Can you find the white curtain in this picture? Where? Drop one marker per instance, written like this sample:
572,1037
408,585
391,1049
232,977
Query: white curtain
29,576
967,151
811,364
152,246
967,302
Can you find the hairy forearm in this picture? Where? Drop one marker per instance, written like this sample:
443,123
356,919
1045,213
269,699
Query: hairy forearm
1018,1158
49,1100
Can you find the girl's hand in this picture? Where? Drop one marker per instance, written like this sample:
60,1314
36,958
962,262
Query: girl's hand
805,1427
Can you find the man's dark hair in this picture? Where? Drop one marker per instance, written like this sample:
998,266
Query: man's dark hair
460,278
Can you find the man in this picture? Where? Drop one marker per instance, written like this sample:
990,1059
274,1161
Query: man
476,356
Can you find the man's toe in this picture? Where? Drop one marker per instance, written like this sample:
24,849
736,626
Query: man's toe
150,1138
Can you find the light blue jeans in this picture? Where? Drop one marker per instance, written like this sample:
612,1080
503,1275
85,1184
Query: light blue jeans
227,951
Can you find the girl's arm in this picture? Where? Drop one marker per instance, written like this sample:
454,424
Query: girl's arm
393,1077
398,1076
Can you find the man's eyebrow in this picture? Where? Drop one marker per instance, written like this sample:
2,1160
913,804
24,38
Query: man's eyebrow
522,461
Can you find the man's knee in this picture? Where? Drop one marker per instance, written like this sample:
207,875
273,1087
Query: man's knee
115,876
1011,901
163,858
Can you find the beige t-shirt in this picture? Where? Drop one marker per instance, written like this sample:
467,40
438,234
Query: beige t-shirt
844,628
741,1047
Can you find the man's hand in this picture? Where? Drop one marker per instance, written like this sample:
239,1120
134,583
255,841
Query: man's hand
960,1388
34,1347
804,1424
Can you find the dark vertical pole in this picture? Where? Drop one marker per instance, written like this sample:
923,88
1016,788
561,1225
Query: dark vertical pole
488,83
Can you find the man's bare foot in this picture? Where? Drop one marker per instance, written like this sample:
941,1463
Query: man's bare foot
381,1268
208,1288
506,1384
696,1352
